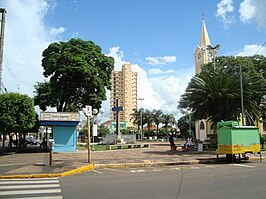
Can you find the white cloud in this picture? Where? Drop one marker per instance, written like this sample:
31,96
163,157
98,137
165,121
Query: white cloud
57,31
253,10
157,71
224,9
250,50
25,38
160,60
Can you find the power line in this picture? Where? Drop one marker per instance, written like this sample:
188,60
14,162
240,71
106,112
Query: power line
260,48
10,70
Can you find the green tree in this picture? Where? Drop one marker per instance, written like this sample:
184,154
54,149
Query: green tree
148,118
215,92
183,125
78,73
103,131
135,117
157,117
168,119
17,113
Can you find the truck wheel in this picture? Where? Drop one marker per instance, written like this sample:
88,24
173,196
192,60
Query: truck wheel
230,158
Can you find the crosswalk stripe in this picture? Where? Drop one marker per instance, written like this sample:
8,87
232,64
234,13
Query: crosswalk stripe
44,197
4,193
24,179
30,187
29,182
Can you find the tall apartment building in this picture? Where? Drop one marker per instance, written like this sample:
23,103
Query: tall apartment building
124,87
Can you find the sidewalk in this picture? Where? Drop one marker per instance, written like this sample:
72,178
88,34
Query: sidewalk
30,164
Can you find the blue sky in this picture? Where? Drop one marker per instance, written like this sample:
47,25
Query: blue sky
157,37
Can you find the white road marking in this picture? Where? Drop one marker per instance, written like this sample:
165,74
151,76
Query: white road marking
157,170
97,171
177,169
194,167
117,170
29,182
29,186
5,193
33,188
44,197
208,166
244,165
137,171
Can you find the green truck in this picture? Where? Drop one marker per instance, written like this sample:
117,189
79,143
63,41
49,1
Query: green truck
234,139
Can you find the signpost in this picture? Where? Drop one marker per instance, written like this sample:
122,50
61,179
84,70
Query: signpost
88,112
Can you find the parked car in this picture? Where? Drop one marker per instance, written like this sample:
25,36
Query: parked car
32,141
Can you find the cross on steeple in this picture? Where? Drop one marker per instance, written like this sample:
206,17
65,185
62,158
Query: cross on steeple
202,14
117,109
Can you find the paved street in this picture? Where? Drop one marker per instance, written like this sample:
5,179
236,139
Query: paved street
234,181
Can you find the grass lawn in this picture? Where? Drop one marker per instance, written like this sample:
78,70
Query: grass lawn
96,147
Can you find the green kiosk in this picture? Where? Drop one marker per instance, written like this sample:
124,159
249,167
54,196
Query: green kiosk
234,139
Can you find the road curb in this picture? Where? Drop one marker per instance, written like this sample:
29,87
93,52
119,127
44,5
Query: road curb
63,174
148,164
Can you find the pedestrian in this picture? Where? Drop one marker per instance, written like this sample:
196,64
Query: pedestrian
43,144
172,142
189,143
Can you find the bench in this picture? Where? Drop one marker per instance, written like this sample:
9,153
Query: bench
127,146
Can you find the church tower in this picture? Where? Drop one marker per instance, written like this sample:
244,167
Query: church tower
203,54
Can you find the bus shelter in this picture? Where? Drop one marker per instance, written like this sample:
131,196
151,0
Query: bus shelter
64,129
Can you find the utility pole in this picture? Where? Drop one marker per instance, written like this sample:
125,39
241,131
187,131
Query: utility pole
3,11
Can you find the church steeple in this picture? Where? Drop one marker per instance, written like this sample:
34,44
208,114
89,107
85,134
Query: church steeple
204,53
204,37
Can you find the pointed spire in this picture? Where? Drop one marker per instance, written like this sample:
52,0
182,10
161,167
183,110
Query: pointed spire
204,38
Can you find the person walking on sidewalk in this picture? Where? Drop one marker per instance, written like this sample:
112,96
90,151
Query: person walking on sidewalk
172,142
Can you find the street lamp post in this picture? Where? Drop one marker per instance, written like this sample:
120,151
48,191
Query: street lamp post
241,94
94,114
96,118
141,128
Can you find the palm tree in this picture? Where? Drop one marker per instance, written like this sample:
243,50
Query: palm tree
215,92
157,116
168,119
135,117
148,118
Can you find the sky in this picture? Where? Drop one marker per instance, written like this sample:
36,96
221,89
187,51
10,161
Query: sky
157,37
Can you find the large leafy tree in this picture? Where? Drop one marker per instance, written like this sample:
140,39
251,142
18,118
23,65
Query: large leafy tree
17,113
78,74
215,92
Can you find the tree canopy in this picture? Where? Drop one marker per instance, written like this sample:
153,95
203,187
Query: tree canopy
17,113
215,92
78,74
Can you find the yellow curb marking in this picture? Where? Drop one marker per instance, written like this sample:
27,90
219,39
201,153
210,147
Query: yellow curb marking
74,171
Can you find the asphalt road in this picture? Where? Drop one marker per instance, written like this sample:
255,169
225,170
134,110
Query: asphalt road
234,181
